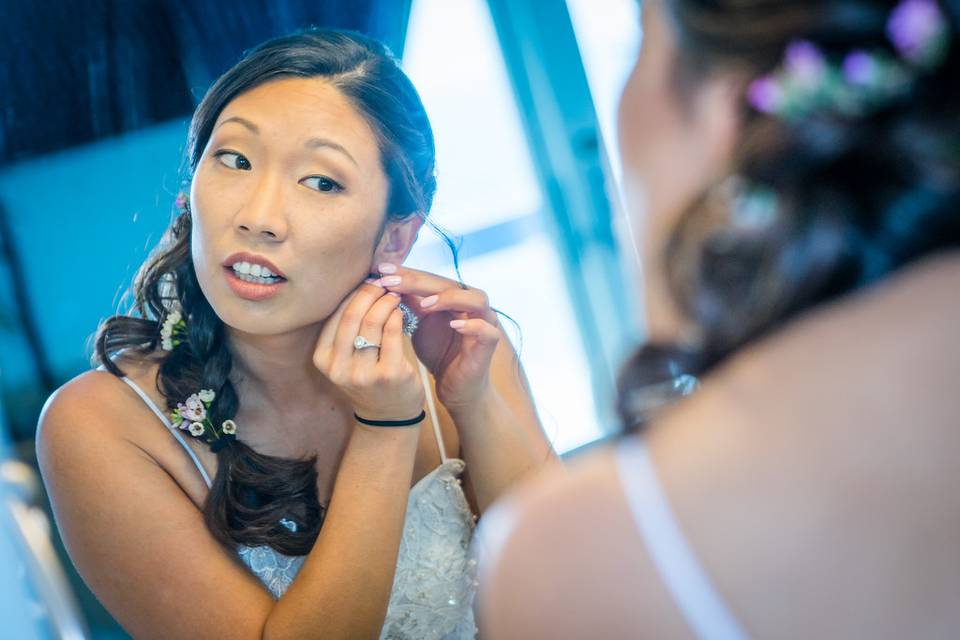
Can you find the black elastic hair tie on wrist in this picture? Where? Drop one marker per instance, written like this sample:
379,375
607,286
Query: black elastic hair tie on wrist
392,423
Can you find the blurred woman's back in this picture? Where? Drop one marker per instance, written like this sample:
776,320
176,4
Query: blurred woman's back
794,170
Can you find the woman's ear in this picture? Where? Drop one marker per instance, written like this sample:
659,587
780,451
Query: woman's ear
397,240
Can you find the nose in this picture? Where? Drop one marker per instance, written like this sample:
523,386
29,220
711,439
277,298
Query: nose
262,216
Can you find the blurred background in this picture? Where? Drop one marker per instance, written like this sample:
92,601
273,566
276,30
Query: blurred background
95,100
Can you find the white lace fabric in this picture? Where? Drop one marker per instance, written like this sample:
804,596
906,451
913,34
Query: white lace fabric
435,580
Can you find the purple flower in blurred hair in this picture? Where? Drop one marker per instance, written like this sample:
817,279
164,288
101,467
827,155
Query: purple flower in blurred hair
859,68
765,95
914,27
805,63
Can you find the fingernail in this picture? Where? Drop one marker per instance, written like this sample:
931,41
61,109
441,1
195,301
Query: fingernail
393,293
390,281
428,302
458,324
374,281
387,267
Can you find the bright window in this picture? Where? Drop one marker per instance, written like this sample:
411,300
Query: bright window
488,193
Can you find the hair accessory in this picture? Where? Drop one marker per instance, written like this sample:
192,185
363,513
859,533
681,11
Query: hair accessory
807,82
182,203
173,331
392,423
753,207
919,31
192,415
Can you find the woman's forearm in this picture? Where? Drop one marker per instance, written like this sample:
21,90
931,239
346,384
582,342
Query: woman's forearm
501,441
343,588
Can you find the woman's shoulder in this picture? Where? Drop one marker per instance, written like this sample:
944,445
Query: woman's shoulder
97,401
560,557
888,349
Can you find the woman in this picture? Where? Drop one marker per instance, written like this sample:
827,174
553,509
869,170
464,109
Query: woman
795,169
295,491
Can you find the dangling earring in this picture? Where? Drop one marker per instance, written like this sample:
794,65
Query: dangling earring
740,210
410,320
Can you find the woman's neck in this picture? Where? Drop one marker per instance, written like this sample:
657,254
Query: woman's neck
277,372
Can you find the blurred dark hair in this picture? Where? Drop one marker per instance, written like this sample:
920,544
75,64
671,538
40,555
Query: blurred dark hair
252,492
859,197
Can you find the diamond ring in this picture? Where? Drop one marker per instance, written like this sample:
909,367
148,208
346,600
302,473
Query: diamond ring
362,343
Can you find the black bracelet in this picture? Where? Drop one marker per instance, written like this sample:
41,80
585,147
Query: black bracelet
392,423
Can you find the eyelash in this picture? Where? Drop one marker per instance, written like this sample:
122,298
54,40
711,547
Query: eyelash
336,186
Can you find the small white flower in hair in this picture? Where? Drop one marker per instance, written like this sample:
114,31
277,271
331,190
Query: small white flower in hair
206,395
196,429
193,409
229,427
173,326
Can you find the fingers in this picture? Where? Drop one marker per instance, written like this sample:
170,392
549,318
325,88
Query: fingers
324,348
472,302
391,353
367,322
480,330
406,281
437,293
351,312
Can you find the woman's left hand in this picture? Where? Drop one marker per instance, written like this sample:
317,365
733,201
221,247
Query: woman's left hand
457,336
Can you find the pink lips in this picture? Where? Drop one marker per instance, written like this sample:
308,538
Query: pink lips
252,290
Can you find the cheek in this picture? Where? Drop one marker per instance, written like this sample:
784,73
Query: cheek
204,216
650,136
663,152
338,246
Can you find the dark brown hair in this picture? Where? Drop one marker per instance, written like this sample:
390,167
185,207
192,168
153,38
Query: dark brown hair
858,197
252,492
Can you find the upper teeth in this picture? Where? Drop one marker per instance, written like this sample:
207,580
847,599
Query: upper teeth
253,270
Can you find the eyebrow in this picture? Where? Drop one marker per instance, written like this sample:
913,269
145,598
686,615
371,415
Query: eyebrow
312,143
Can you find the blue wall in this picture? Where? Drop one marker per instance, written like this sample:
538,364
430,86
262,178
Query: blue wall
82,221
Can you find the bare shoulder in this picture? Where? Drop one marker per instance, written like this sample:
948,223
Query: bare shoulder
91,398
96,399
561,558
103,464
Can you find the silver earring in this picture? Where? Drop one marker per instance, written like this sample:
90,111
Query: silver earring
410,320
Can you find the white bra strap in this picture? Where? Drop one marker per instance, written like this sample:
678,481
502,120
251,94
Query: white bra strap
173,430
681,573
431,405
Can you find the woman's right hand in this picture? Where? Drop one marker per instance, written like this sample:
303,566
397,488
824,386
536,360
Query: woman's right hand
382,384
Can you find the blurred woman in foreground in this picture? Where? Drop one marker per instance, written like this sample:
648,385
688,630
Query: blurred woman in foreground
793,170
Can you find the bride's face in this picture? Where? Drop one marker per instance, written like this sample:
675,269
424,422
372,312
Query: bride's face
291,177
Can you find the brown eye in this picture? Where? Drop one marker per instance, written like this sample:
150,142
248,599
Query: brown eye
322,183
233,160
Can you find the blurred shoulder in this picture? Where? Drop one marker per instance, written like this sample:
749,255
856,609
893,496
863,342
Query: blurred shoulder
561,558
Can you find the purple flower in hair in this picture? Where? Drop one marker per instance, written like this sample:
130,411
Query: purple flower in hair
765,95
805,62
917,29
859,68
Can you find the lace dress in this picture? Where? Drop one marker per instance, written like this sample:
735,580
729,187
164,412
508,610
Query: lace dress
435,579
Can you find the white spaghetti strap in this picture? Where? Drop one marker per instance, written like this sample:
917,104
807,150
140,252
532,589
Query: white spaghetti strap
431,405
173,430
683,576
